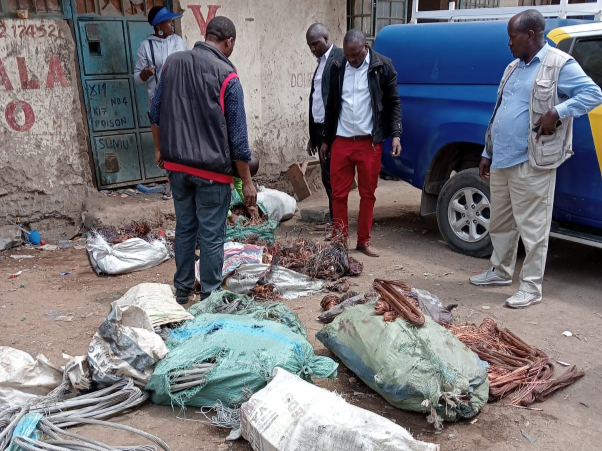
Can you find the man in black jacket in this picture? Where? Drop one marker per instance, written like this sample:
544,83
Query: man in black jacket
200,131
363,109
326,52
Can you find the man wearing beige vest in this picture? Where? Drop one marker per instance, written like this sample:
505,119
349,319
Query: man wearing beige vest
529,136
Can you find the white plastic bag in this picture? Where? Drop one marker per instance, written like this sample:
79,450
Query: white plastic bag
280,206
23,378
289,284
291,414
132,255
157,300
125,345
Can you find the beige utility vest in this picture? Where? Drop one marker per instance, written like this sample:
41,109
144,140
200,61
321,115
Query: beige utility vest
551,150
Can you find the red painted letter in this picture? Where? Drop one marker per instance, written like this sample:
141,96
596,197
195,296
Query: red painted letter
56,74
26,83
4,78
30,117
198,15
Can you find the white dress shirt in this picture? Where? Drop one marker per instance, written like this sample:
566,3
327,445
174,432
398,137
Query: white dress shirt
356,104
317,105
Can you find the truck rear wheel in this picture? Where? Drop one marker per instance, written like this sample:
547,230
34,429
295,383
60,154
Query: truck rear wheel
463,214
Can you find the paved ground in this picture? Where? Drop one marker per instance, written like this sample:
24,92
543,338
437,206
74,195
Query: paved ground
571,419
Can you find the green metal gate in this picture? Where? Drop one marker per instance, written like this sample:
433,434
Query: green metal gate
108,34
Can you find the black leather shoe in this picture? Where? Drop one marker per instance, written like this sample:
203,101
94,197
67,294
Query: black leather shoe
184,296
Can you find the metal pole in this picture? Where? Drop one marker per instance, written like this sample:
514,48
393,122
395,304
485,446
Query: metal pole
414,11
563,7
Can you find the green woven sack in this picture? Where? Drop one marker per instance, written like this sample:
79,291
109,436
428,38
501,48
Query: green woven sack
423,369
245,351
264,232
239,304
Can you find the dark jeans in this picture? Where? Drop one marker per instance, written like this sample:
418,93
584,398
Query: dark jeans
201,211
324,166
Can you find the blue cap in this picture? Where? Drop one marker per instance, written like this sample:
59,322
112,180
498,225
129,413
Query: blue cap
164,15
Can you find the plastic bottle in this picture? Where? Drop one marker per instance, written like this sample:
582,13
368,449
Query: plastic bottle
63,244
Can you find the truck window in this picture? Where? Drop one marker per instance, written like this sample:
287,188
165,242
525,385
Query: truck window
588,54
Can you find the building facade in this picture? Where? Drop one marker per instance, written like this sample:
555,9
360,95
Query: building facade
72,120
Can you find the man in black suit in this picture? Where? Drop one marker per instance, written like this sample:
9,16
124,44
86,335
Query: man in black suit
326,53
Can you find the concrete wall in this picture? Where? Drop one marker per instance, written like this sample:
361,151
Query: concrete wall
274,64
45,172
44,169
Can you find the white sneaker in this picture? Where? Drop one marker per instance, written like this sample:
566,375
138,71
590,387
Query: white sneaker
522,299
488,278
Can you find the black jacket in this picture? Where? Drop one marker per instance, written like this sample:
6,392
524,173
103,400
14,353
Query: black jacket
386,106
335,54
193,129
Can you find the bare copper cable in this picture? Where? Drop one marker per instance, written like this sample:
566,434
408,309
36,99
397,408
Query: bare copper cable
329,301
392,292
515,369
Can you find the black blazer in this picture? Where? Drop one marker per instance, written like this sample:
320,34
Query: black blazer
386,106
335,53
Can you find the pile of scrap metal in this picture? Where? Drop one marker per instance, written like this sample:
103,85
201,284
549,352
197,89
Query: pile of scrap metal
334,305
115,251
399,300
325,261
414,363
115,235
516,370
296,267
39,400
40,422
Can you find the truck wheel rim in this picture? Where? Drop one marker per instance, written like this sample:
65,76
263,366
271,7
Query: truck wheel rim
469,213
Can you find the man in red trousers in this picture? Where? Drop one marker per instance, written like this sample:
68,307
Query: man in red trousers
363,108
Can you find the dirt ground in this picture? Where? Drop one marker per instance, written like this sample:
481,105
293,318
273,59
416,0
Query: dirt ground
413,251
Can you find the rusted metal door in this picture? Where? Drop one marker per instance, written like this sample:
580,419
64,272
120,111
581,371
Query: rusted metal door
109,33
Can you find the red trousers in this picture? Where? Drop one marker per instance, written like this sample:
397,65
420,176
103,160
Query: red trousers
348,154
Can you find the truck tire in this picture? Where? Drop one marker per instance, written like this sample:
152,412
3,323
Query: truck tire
463,213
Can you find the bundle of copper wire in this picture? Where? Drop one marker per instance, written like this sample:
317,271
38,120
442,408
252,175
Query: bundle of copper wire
114,235
266,292
396,301
253,214
515,369
325,261
329,301
383,308
254,239
340,286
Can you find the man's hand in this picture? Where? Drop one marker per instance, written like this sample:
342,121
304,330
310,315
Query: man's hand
325,151
249,193
159,158
311,149
147,73
156,141
396,150
232,219
485,168
248,188
254,213
547,123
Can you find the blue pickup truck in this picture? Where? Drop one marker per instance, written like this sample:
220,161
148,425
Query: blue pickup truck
448,75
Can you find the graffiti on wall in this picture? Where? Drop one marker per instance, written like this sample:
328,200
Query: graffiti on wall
201,20
19,114
302,80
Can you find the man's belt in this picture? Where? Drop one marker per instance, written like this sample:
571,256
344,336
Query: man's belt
356,138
